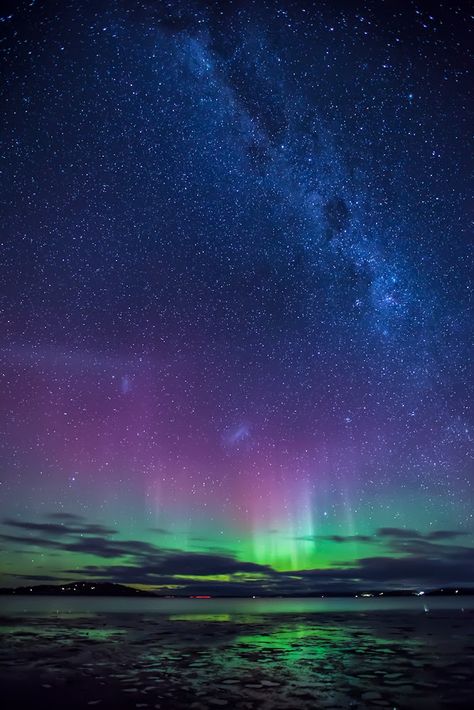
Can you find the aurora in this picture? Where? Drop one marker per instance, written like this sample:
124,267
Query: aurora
236,323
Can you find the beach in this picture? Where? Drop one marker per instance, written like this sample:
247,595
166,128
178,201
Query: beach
210,659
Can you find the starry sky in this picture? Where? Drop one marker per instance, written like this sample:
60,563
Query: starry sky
236,312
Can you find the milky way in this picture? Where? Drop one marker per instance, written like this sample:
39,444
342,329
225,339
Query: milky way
236,316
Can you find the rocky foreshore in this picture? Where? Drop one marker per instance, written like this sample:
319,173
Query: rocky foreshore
379,660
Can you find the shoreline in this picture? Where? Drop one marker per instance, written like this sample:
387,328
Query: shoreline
331,660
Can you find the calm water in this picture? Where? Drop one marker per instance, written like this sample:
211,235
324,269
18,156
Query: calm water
238,654
55,604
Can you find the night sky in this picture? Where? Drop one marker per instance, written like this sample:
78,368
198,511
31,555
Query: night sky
235,280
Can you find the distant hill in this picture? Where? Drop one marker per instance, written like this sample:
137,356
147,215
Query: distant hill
83,589
109,589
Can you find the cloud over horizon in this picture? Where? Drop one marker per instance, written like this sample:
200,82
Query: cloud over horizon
412,559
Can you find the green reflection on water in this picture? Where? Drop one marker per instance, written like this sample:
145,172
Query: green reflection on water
200,617
292,648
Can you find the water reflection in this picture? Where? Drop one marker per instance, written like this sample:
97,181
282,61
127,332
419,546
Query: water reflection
268,661
201,617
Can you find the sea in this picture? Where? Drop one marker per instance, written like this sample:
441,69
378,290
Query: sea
219,606
392,653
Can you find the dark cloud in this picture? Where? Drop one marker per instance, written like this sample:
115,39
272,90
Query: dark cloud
36,577
381,572
30,540
46,528
425,547
429,565
160,531
349,538
337,538
390,534
398,532
60,529
98,546
171,572
197,563
440,565
182,585
445,534
417,570
66,517
415,535
103,547
422,560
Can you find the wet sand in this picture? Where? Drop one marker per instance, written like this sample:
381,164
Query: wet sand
326,660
